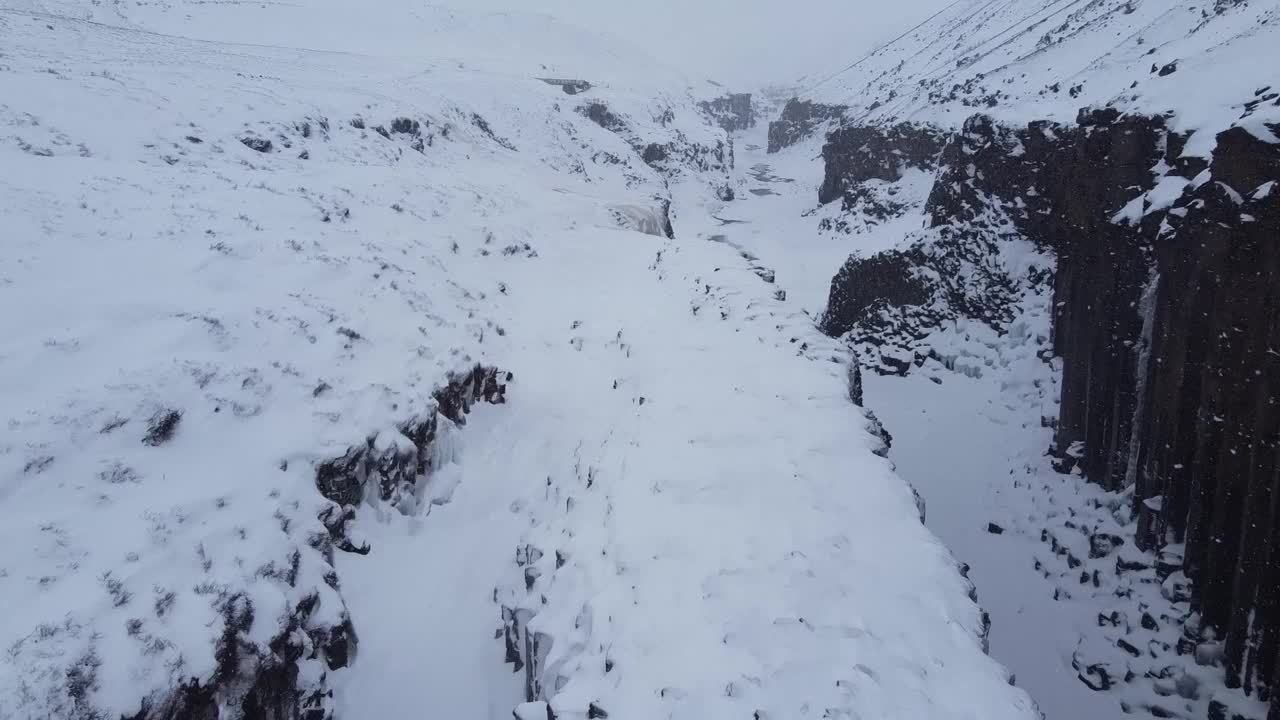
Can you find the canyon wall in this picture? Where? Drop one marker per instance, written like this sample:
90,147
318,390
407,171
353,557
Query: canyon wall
1164,284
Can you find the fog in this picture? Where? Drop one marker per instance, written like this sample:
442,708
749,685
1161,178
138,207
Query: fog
739,42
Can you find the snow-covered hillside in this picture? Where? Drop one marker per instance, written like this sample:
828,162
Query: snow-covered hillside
1025,60
256,262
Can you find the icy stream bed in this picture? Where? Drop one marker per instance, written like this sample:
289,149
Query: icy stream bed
961,446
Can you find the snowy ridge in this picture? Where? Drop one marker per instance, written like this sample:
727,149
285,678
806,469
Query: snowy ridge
1044,59
239,260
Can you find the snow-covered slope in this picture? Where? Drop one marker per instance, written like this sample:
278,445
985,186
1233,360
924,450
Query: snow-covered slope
1024,60
244,244
419,35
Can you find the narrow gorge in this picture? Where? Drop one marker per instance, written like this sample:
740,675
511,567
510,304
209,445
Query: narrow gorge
1157,272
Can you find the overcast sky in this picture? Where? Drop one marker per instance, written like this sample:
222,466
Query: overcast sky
740,42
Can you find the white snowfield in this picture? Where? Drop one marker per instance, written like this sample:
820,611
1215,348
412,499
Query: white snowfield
193,319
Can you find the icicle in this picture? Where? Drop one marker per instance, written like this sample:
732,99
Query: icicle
1146,306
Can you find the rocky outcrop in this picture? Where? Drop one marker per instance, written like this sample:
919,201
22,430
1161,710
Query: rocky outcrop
853,155
283,680
286,679
733,112
890,302
669,152
390,467
800,119
1164,288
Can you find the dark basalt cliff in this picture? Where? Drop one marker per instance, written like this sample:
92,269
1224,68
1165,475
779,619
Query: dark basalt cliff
798,120
1206,443
1165,292
856,154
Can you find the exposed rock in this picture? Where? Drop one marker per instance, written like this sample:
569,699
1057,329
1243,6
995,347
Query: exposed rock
406,126
876,429
654,153
261,145
799,119
1103,544
865,286
732,112
391,464
857,153
1209,434
599,113
262,682
286,678
162,426
893,299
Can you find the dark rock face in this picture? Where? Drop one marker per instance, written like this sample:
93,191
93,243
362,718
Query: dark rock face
654,153
261,683
261,145
1165,322
1208,440
669,158
1190,418
798,120
892,300
393,471
600,114
855,154
732,112
865,287
162,427
406,126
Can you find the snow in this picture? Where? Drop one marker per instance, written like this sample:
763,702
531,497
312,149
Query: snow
670,514
678,495
960,432
1046,59
676,428
423,598
955,442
